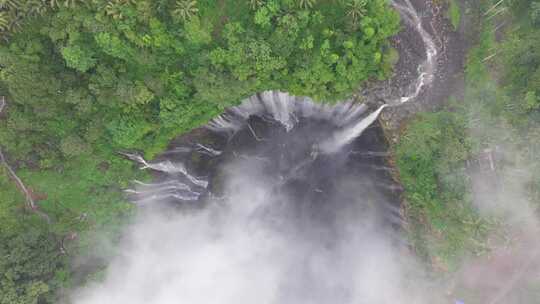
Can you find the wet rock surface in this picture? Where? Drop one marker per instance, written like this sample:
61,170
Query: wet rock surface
288,158
448,78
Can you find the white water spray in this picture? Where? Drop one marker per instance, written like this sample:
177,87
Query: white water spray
285,109
208,150
347,135
177,190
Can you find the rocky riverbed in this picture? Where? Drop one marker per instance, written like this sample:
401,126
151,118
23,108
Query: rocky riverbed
448,79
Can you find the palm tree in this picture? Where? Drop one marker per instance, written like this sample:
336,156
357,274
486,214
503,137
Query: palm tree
35,7
4,22
9,4
255,4
114,9
64,3
356,9
185,9
15,18
53,3
305,4
70,3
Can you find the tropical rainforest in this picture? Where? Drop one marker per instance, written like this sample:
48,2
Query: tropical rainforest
498,109
83,80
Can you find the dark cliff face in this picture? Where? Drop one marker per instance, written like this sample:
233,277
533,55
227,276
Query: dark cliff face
290,163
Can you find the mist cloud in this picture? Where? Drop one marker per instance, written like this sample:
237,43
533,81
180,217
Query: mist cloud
257,247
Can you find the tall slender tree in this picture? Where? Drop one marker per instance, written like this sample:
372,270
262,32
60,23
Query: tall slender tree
113,8
185,9
356,9
255,4
305,4
9,4
71,3
4,22
35,7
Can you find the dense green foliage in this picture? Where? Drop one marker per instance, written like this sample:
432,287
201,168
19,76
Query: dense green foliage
83,195
87,78
454,13
431,159
31,266
500,107
133,74
84,79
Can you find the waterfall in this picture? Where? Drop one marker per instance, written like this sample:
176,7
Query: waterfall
286,110
208,150
347,135
272,209
172,189
347,118
343,123
287,209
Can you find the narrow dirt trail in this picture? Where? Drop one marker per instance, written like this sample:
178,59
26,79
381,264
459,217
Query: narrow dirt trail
31,204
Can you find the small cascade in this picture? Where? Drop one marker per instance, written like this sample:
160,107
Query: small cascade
225,123
166,197
162,192
347,135
353,115
171,189
427,69
207,150
165,166
165,186
279,106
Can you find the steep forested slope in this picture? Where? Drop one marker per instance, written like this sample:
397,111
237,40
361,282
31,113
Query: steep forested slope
497,119
132,74
84,79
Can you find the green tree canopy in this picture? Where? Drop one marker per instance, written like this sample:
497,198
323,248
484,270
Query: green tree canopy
125,73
